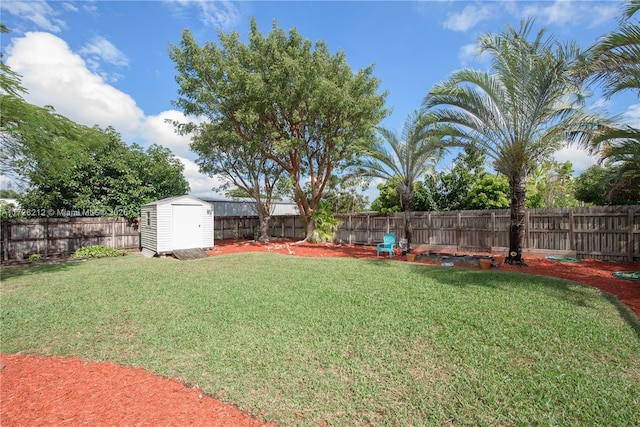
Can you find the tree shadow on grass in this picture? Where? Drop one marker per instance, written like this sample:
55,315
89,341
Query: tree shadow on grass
13,271
563,289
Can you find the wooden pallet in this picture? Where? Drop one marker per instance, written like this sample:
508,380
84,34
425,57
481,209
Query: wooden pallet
185,254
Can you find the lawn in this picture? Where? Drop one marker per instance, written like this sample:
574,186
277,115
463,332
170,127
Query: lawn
301,341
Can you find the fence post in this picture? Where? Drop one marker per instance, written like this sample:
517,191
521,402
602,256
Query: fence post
46,237
527,225
571,232
493,229
458,230
630,224
6,227
113,234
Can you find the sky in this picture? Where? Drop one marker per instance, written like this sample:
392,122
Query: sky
106,62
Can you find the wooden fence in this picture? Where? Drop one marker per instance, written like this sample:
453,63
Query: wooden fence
62,236
609,233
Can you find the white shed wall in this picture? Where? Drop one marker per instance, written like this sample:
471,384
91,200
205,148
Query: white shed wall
165,228
158,235
149,231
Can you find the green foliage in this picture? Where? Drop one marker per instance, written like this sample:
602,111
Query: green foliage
388,199
98,251
451,189
343,195
551,185
106,178
325,224
35,257
489,192
280,101
601,186
9,211
424,195
7,193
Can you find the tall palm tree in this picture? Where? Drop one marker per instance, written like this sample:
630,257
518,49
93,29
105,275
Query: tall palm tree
411,156
519,114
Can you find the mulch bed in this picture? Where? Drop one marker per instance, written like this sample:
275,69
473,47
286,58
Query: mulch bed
38,390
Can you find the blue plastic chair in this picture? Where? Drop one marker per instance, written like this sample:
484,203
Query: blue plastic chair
389,241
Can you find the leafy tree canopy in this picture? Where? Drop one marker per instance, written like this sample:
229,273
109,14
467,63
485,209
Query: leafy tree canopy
108,178
283,97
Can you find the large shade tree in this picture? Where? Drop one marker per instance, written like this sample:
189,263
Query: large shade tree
284,98
407,158
519,113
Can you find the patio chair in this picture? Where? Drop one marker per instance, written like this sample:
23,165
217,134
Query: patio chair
389,241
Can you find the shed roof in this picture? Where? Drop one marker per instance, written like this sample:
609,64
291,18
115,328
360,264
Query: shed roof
174,199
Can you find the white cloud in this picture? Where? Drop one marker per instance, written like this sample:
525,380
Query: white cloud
222,13
469,17
38,12
632,116
99,51
579,158
156,130
568,12
201,185
557,12
54,75
57,76
468,53
102,49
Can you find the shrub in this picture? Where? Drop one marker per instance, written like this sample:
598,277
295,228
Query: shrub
325,224
35,257
98,251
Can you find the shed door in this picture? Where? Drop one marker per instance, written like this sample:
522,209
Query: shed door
187,226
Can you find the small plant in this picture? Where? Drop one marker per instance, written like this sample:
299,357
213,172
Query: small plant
35,257
98,251
325,224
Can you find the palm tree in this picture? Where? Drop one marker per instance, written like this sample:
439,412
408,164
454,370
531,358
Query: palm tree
519,114
614,63
411,157
614,60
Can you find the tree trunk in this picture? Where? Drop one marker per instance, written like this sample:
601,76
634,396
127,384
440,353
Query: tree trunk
309,236
264,218
518,192
407,196
408,229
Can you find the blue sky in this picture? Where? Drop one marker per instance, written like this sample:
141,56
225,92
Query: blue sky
106,62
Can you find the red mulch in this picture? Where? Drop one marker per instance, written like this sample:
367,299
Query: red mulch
37,390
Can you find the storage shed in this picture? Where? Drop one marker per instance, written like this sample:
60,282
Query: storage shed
175,223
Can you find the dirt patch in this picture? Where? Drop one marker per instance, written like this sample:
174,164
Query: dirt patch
57,391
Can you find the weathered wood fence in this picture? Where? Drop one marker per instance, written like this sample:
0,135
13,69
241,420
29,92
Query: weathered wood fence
62,236
610,233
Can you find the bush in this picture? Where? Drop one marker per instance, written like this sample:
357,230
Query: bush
98,251
35,257
325,224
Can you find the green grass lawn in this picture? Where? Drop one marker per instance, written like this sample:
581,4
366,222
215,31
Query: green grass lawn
299,341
